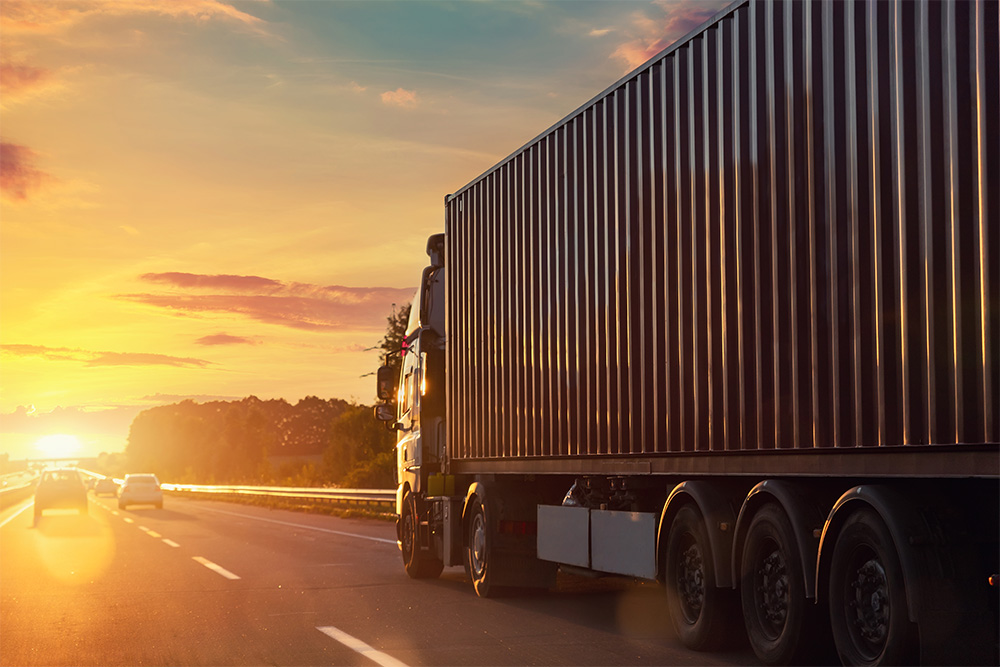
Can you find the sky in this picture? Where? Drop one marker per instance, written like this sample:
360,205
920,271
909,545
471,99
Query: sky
209,200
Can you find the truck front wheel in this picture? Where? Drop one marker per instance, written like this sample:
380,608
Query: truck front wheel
418,564
700,612
478,554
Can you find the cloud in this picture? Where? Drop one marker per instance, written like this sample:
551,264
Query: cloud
600,32
227,283
92,358
76,419
224,339
296,305
650,35
31,16
19,177
16,80
405,99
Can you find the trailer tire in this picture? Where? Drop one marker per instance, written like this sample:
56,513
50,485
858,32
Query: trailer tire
479,552
418,565
868,605
780,620
699,611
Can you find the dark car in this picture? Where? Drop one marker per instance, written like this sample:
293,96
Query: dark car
106,486
60,488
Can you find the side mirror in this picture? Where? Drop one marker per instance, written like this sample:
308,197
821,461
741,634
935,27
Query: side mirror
387,377
385,412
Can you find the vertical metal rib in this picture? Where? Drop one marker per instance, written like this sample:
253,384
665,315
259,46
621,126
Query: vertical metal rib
924,299
896,81
872,41
736,52
792,251
987,337
755,223
849,106
832,215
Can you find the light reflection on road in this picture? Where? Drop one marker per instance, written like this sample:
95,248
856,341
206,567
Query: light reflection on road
75,549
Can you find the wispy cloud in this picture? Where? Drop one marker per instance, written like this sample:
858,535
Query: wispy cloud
296,305
17,79
225,339
227,283
405,99
19,177
99,358
31,16
648,35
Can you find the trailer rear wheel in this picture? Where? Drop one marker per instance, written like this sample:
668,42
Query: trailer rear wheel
698,610
418,564
779,619
868,608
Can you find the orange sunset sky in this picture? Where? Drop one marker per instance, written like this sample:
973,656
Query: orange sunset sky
210,200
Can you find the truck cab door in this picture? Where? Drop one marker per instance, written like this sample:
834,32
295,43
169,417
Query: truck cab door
408,446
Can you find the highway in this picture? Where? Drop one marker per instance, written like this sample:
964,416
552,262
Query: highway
211,583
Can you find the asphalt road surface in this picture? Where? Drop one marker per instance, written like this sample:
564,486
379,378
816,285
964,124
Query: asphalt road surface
209,583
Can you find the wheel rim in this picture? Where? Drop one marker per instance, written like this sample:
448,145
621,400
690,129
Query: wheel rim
407,536
771,589
868,610
477,549
691,580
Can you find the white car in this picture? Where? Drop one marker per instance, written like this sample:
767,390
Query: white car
140,489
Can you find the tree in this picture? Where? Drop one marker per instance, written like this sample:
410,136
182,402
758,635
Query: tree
395,333
361,451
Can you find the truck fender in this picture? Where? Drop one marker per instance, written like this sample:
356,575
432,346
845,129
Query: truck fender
476,489
901,518
401,492
719,521
803,514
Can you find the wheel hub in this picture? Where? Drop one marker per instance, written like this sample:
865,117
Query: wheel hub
478,547
870,601
691,582
772,589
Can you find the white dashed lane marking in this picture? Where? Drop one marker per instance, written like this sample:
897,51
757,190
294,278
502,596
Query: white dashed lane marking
360,647
218,569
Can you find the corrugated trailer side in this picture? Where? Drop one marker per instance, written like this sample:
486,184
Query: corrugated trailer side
771,250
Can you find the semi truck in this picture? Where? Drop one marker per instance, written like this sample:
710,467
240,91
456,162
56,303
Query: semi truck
732,326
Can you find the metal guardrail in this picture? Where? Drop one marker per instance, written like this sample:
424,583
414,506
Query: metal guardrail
14,488
378,497
358,496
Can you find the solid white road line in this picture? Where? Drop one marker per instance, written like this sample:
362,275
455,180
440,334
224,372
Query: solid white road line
218,569
360,647
16,514
170,543
300,525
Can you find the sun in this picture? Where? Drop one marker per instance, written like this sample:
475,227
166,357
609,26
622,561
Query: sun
58,446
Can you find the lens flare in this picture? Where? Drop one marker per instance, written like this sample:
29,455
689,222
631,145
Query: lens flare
58,446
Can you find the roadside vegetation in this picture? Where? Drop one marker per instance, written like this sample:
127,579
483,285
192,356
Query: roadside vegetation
315,442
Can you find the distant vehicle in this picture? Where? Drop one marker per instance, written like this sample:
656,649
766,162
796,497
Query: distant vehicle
60,488
140,489
106,486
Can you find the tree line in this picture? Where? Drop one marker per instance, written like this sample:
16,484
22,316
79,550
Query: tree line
315,442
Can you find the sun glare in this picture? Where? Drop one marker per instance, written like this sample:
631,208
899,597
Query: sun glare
58,446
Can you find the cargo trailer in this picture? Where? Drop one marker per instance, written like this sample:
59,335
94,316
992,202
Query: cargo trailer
732,326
